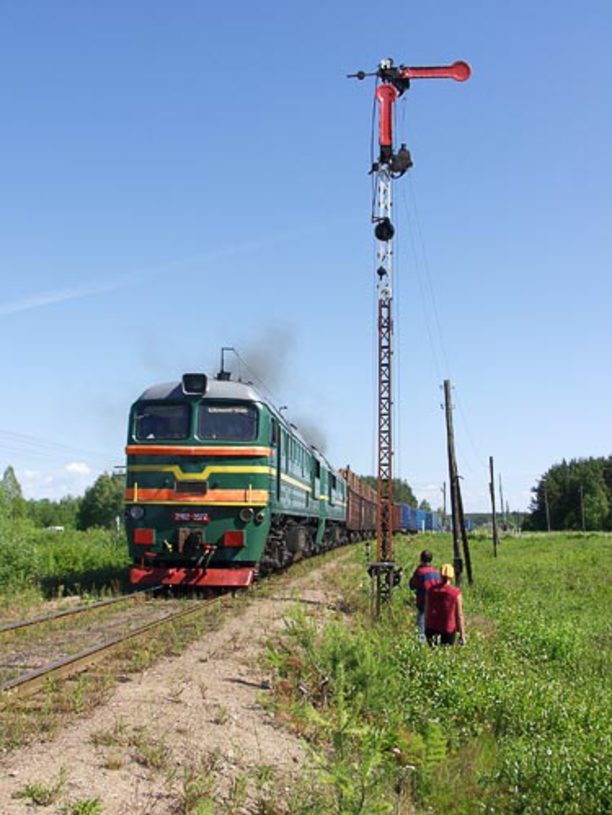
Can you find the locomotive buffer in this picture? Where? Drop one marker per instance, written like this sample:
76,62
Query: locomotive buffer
392,82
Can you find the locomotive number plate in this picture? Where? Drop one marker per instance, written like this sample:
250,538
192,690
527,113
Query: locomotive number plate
190,517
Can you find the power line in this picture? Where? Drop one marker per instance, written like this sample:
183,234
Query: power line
476,450
25,443
429,287
419,279
429,301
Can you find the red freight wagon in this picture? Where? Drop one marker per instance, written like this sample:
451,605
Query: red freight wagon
361,506
397,518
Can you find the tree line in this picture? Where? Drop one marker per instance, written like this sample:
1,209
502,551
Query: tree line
575,494
100,506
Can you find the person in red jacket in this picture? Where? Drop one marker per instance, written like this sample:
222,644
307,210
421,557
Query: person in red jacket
444,610
424,576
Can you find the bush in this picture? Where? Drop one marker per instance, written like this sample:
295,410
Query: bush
45,560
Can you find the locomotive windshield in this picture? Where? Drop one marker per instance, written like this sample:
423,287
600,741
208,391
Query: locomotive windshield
162,422
227,422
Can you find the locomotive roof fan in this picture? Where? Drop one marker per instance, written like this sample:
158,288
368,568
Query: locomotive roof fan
194,384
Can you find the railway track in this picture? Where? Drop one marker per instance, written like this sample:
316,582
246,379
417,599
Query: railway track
33,677
32,680
77,610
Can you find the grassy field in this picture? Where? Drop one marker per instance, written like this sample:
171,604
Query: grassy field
36,564
517,721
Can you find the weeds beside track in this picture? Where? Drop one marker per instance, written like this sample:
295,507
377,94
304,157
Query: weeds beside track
32,681
73,612
41,714
518,721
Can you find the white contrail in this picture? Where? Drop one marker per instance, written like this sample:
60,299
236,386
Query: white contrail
60,296
78,292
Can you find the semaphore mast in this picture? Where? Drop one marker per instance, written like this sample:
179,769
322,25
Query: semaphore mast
392,82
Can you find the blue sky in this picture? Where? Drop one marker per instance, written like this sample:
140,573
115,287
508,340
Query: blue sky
180,176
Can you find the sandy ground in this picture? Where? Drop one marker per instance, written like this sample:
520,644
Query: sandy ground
207,706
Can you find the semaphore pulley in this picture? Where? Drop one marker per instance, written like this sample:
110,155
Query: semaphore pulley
390,164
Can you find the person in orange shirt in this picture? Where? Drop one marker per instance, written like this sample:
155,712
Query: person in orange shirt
444,610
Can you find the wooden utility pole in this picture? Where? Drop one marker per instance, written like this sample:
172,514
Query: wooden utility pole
493,514
443,490
582,508
453,478
546,507
501,503
458,520
464,537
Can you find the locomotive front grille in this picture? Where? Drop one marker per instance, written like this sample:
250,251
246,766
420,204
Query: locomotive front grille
197,487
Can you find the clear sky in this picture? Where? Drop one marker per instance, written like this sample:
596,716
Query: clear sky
175,177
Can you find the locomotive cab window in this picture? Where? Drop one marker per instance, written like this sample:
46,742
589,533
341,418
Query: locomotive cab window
227,422
162,422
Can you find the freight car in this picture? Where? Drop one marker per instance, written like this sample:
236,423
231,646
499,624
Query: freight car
222,488
408,519
361,507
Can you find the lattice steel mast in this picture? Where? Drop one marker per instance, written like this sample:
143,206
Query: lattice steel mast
392,83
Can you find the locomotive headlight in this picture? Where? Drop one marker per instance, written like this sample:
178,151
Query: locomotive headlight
260,516
246,514
194,384
136,513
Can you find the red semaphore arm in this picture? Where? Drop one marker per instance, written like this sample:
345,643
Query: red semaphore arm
460,71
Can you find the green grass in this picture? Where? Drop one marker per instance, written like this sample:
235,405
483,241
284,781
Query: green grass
37,564
45,714
517,721
84,806
43,794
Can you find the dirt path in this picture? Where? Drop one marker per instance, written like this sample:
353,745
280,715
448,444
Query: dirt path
206,729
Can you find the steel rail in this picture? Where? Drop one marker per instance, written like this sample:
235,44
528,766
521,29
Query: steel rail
29,683
72,612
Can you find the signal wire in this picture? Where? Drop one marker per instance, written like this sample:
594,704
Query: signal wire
374,365
429,301
372,147
374,325
396,466
419,269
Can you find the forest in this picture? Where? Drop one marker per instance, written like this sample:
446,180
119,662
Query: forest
574,495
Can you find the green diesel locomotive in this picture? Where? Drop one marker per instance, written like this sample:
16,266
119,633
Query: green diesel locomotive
221,488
